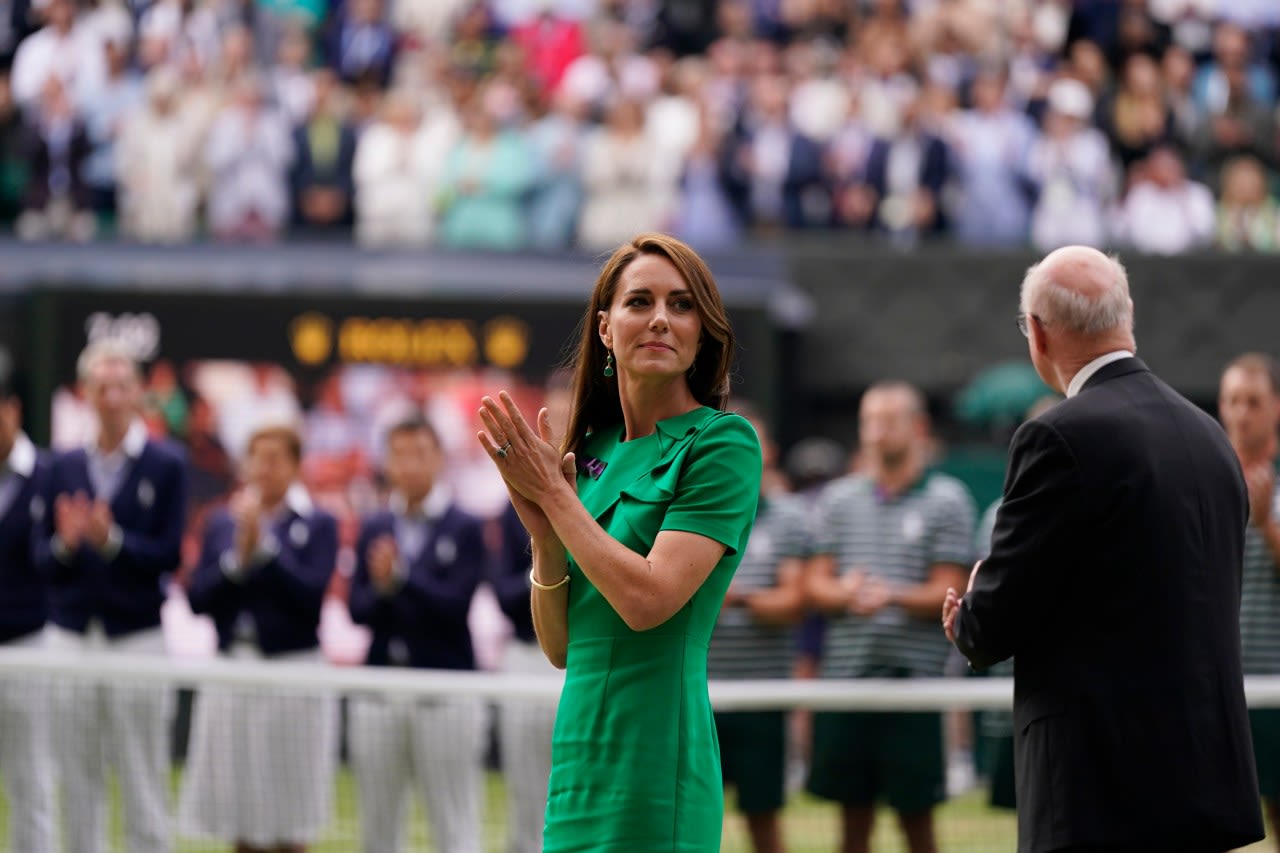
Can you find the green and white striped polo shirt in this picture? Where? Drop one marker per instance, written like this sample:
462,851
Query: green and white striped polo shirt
898,538
741,647
1260,602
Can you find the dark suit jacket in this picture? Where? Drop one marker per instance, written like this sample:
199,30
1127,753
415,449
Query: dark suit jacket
22,588
150,507
306,173
283,595
1114,580
378,67
40,165
804,177
428,613
935,168
509,576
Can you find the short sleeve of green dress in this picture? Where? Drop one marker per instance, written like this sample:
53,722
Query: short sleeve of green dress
635,762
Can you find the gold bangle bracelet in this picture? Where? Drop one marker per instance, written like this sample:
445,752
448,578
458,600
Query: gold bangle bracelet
544,586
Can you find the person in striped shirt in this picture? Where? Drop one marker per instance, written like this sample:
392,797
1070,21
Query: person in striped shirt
754,637
888,542
1249,407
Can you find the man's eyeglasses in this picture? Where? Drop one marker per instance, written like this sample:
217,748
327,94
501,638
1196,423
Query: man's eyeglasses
1021,320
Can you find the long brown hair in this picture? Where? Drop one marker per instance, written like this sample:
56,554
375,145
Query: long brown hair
596,404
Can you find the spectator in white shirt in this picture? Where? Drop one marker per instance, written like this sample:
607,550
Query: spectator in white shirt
393,178
248,155
620,176
1164,213
62,49
1070,165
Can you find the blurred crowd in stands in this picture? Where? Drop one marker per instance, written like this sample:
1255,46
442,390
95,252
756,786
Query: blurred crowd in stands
554,124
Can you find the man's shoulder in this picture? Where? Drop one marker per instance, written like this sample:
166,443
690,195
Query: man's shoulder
219,521
68,463
162,452
941,486
1128,411
457,518
848,487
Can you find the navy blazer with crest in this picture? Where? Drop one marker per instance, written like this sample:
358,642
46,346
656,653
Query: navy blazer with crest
510,575
1114,581
427,614
124,592
283,593
23,608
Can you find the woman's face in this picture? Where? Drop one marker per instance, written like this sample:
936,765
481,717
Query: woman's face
653,326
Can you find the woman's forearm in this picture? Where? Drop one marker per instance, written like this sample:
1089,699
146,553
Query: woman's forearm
551,606
644,594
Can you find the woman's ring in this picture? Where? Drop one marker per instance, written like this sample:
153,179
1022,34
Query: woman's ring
502,451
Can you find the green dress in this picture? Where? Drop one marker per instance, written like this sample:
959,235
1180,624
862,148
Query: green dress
635,762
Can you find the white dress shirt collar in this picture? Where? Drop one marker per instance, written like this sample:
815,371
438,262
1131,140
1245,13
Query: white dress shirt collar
1086,373
135,440
22,456
433,507
298,499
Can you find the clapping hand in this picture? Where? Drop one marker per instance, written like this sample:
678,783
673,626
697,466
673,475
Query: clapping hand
1261,480
382,556
529,462
950,607
98,523
246,511
871,596
951,604
868,593
71,519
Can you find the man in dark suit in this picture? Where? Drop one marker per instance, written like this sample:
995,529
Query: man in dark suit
772,173
324,147
417,567
1114,580
25,758
110,537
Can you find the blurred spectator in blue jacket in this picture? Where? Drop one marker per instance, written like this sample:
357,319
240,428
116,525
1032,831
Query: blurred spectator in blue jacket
990,142
363,44
906,174
773,173
57,202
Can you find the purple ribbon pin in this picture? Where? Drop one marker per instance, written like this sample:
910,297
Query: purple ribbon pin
593,466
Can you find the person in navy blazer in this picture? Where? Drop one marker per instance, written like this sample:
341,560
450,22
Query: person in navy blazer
262,762
26,762
773,173
914,206
418,564
321,178
110,539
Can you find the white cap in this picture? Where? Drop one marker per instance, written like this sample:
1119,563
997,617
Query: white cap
1070,97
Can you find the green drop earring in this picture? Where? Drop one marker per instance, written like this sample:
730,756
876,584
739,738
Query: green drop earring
608,366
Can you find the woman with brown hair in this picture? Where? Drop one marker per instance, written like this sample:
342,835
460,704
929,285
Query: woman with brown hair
638,521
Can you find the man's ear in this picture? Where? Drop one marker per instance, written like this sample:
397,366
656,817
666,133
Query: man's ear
1039,339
